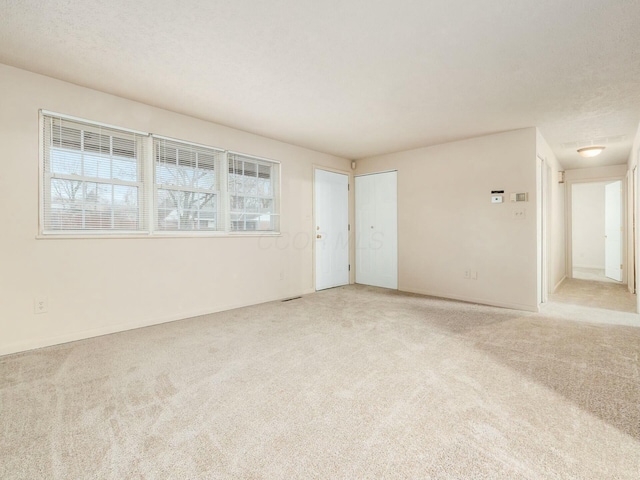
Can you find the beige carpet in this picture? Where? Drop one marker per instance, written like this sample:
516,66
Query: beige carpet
354,382
595,274
608,296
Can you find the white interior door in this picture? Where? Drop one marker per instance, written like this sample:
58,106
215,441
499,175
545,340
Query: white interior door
613,230
377,230
332,229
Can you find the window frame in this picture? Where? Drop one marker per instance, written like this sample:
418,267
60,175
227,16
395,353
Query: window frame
147,189
219,192
45,176
275,196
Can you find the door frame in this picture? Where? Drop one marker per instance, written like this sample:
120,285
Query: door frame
569,219
632,232
312,233
621,245
543,202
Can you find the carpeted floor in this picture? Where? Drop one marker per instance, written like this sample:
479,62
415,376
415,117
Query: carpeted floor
595,274
353,382
605,295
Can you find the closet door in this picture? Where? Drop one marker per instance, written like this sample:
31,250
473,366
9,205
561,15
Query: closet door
377,230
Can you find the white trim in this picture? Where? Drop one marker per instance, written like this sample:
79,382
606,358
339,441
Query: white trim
254,157
187,142
559,283
375,173
83,178
85,235
479,301
225,205
91,122
181,188
123,327
41,172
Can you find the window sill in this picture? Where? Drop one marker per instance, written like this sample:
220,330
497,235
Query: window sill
102,236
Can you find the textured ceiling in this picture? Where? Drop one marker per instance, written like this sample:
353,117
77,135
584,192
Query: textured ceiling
354,77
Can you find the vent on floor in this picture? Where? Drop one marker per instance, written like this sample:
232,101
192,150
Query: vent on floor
289,299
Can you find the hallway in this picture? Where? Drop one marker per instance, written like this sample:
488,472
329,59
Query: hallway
603,295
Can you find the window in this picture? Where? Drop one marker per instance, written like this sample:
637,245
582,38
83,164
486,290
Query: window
253,184
187,180
100,179
93,178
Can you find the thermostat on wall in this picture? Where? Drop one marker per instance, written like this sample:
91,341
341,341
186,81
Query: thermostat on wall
519,197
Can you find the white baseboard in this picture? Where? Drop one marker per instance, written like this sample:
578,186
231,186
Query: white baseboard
591,267
123,327
559,283
481,301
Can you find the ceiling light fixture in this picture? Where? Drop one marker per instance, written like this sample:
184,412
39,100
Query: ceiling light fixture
590,151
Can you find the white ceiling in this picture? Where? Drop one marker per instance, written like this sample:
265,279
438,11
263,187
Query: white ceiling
354,77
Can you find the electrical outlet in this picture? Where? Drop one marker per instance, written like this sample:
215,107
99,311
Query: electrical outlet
467,274
40,305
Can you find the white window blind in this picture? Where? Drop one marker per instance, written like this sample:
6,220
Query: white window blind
253,194
188,180
92,178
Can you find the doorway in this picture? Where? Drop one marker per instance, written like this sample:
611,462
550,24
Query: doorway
331,234
595,248
377,229
597,241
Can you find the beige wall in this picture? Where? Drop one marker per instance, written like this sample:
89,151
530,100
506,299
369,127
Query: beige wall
595,173
447,224
97,286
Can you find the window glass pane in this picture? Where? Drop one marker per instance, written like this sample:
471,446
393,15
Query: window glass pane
124,168
97,166
250,186
66,191
250,204
205,179
266,205
125,196
184,210
65,162
236,184
264,187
